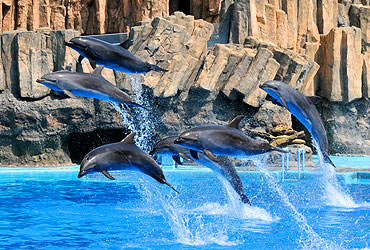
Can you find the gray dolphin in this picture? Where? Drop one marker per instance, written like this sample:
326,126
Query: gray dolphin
92,85
223,168
115,57
123,155
226,140
303,108
167,147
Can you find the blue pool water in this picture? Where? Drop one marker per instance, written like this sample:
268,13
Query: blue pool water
53,209
348,161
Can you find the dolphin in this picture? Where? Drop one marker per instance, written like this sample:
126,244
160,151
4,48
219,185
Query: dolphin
167,147
92,85
115,57
123,155
223,168
303,108
226,140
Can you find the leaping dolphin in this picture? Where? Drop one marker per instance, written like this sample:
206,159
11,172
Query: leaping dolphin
168,147
226,140
92,85
115,57
223,168
123,155
303,108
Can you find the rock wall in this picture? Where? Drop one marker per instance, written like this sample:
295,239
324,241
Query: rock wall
39,127
97,16
348,126
332,33
203,85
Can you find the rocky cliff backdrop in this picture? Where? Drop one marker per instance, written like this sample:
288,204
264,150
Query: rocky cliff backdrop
217,54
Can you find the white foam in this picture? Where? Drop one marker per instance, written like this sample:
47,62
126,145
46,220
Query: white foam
243,211
334,195
311,240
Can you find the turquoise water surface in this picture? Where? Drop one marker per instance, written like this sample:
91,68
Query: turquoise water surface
50,208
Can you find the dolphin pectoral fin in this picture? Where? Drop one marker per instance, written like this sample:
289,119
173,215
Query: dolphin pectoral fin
107,174
210,155
69,93
314,99
80,58
283,102
92,63
276,102
184,156
176,158
126,44
168,184
235,122
194,154
245,199
97,71
130,138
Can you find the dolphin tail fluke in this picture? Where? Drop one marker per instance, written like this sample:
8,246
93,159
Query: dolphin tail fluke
280,150
245,199
168,184
157,68
328,160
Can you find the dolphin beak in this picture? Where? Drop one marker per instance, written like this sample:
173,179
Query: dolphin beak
69,44
81,173
40,80
263,86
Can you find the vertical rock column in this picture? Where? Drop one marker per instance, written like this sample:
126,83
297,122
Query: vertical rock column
341,65
244,21
35,58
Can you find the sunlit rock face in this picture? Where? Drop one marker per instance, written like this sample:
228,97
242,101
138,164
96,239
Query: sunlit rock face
98,16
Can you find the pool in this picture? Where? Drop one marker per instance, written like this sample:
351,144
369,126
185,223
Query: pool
348,161
49,208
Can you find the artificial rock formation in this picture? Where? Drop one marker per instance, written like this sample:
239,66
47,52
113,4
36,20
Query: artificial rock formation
97,16
282,40
180,45
348,126
39,127
341,65
310,28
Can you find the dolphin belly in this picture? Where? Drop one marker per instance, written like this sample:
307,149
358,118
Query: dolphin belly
127,68
52,86
234,152
92,94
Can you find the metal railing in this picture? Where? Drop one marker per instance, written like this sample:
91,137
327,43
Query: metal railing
285,160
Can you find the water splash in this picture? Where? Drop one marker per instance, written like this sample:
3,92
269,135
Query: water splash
241,210
312,239
188,227
139,120
334,192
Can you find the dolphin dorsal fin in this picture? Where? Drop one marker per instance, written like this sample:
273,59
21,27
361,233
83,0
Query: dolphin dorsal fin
80,58
130,138
314,99
97,71
235,122
126,44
